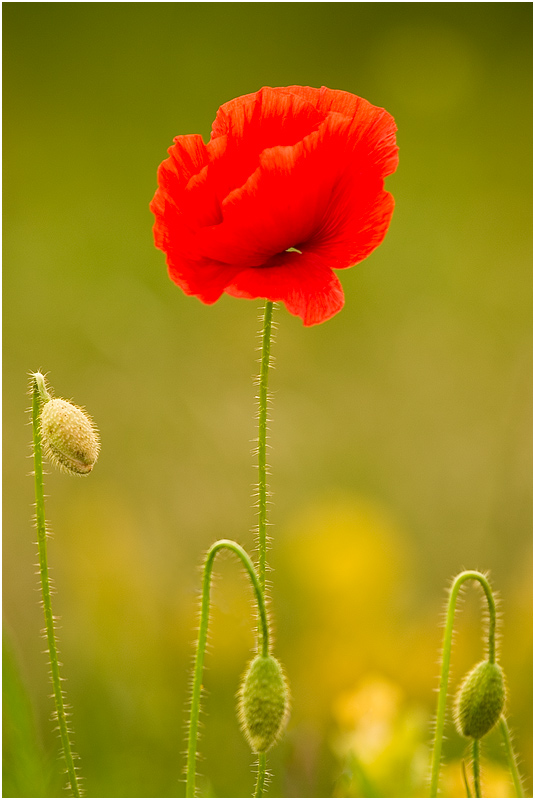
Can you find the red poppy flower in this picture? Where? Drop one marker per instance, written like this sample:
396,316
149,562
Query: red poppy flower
289,188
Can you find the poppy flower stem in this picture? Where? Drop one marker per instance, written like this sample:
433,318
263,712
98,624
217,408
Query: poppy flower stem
39,394
262,487
262,443
475,767
196,687
446,658
511,757
261,775
465,779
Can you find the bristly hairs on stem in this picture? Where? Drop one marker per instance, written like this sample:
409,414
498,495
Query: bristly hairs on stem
444,676
263,696
69,432
481,696
512,758
263,398
465,779
475,768
266,361
196,685
263,776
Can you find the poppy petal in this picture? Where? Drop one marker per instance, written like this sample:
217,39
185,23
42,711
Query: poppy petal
264,120
282,203
354,226
371,127
206,280
289,187
306,286
187,157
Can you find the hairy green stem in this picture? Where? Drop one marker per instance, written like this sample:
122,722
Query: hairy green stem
261,776
511,757
38,394
262,443
475,767
201,644
262,486
446,658
465,779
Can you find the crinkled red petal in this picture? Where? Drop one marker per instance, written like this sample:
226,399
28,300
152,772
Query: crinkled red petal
292,167
206,280
373,128
311,196
280,205
263,120
355,224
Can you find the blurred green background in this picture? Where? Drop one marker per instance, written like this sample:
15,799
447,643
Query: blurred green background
401,434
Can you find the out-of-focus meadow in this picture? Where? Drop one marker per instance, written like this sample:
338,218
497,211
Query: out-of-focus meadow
401,433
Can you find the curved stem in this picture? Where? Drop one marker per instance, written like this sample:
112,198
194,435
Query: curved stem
446,657
39,393
511,758
475,767
201,644
262,444
261,776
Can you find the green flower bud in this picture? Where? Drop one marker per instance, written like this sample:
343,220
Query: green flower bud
480,700
264,703
69,437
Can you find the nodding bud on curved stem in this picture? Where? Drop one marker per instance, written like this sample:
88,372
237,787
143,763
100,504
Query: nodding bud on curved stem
69,436
475,688
263,644
264,704
480,700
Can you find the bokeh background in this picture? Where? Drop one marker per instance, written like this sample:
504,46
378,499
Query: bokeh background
401,434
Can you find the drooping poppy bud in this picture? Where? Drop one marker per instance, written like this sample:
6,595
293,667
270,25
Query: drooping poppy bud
263,703
480,700
69,436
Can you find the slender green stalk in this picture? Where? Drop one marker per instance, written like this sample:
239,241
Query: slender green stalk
475,767
446,658
258,582
262,486
262,443
261,776
511,758
465,779
201,644
39,392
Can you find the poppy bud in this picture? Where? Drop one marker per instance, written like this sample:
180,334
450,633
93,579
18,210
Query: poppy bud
480,700
70,439
263,703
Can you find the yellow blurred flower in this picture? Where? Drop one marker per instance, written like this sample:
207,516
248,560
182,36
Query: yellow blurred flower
380,741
